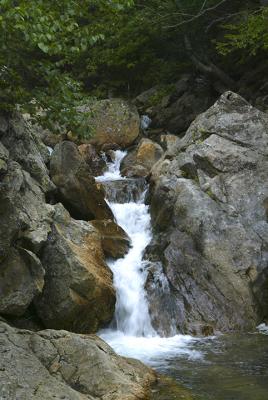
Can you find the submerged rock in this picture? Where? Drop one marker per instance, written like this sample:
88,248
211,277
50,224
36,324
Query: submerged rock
209,213
59,364
78,294
79,192
115,241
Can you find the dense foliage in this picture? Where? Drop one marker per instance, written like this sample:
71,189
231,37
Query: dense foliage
57,55
40,42
250,33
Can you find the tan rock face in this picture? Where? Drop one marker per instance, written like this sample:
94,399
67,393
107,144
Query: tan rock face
113,121
140,160
148,153
115,241
59,364
78,294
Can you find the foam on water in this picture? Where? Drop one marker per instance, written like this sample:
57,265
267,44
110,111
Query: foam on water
263,328
131,333
113,172
50,150
154,351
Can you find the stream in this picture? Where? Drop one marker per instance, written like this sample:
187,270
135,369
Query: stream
226,367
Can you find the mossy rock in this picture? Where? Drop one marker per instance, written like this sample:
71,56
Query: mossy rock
111,121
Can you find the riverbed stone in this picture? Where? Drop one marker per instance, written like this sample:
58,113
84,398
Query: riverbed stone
61,365
209,214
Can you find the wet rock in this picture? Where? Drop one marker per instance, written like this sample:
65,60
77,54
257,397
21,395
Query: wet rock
26,148
112,121
124,190
96,163
115,241
21,280
78,294
141,159
107,147
59,364
134,171
208,205
79,192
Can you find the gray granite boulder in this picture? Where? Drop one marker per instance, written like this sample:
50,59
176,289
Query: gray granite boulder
62,365
209,197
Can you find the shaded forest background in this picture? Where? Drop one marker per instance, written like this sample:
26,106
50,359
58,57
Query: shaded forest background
57,55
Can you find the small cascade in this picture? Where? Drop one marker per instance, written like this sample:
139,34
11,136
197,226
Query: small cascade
131,332
263,328
126,190
113,168
131,312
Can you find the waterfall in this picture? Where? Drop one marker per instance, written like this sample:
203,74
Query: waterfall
131,333
131,310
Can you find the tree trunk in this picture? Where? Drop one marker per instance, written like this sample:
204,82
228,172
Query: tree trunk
209,68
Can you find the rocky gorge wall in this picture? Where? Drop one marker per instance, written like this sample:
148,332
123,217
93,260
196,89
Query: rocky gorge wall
207,262
53,274
208,196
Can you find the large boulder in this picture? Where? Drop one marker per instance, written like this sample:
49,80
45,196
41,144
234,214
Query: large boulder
209,212
79,192
25,216
25,224
144,156
26,148
78,294
62,365
112,121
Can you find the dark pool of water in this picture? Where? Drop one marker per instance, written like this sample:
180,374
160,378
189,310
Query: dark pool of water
232,367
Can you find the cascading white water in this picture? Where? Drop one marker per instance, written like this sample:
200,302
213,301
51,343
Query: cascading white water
263,328
132,333
113,172
131,313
